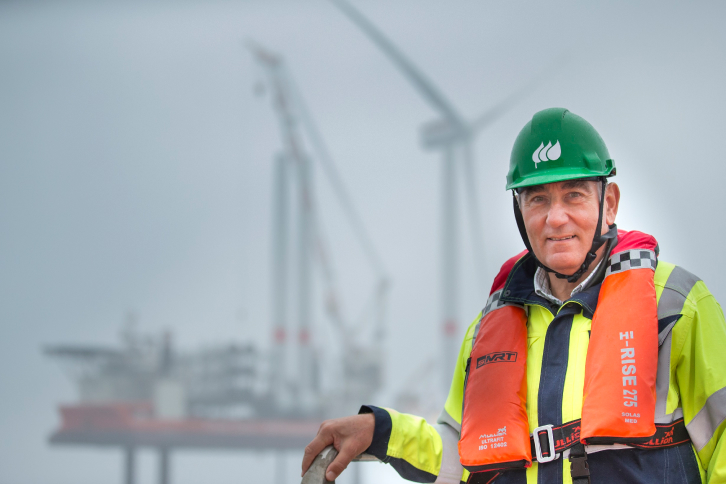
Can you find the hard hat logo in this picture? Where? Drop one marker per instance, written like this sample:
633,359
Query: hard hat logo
544,153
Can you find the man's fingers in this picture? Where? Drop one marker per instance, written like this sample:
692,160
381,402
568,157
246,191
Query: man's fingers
321,441
345,456
351,435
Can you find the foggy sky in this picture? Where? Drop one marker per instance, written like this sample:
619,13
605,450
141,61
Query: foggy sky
136,170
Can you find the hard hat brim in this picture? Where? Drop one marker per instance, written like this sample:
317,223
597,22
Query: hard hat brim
559,175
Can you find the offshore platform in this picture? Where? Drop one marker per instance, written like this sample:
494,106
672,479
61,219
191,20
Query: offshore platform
145,394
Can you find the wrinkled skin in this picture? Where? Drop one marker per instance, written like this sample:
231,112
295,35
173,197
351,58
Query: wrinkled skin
561,219
349,435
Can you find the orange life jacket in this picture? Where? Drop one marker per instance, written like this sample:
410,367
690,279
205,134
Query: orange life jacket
620,370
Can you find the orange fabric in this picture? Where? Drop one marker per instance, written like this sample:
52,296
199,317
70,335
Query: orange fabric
622,359
495,429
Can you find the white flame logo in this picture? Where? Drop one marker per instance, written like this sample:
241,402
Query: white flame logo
544,153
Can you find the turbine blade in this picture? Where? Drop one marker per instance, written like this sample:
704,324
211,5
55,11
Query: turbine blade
425,87
499,109
475,221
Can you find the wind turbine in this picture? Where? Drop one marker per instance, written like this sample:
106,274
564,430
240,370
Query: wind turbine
453,135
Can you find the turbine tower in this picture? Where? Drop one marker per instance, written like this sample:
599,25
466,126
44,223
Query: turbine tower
453,135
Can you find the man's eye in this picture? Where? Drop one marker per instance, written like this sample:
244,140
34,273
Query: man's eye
537,199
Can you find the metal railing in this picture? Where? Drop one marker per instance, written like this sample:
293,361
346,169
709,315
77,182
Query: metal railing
316,472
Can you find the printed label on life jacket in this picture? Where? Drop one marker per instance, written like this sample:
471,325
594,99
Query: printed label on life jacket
494,441
630,379
497,357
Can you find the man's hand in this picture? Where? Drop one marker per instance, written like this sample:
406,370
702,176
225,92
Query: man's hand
349,435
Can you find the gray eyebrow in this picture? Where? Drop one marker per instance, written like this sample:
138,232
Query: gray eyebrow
576,184
532,189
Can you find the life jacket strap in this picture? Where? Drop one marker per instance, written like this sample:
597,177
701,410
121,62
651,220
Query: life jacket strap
579,468
667,435
567,435
485,477
564,437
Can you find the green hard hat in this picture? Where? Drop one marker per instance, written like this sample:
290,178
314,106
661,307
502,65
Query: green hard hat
557,145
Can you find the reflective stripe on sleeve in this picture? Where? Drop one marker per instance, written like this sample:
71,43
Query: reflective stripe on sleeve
476,331
445,418
707,420
671,417
662,381
670,306
451,469
679,284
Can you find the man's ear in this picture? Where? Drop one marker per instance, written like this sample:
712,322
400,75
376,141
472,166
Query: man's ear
612,202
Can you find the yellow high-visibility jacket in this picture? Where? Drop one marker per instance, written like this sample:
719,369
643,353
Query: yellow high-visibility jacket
693,386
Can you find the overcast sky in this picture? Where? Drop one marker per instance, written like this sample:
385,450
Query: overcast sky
136,170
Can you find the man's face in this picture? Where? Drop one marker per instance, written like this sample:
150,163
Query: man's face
561,219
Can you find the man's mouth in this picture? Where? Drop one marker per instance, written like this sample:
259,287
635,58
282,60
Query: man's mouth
558,239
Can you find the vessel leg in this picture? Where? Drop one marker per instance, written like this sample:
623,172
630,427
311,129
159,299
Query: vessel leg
163,465
355,469
129,465
279,467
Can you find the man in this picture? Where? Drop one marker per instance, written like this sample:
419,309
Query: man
593,361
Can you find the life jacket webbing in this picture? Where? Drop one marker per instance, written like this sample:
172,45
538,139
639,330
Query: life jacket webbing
568,435
486,477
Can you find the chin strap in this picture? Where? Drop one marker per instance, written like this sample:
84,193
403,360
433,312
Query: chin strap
597,241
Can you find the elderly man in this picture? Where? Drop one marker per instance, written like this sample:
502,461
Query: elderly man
592,361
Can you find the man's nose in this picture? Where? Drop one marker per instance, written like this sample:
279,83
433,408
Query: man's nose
557,214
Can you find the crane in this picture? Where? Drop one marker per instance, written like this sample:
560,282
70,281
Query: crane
361,363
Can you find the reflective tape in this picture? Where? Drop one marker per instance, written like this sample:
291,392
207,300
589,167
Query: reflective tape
671,417
631,259
476,330
663,379
674,295
494,302
445,418
451,470
679,284
705,423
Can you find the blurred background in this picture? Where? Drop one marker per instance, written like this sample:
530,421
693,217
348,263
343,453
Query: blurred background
237,211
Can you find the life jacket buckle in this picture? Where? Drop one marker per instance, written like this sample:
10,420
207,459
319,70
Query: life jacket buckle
579,469
548,455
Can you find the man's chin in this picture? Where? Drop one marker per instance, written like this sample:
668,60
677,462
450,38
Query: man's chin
570,267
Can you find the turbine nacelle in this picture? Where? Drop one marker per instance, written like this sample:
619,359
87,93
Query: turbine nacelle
442,133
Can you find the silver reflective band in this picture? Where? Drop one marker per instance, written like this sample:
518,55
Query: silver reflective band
538,448
678,286
708,419
451,470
